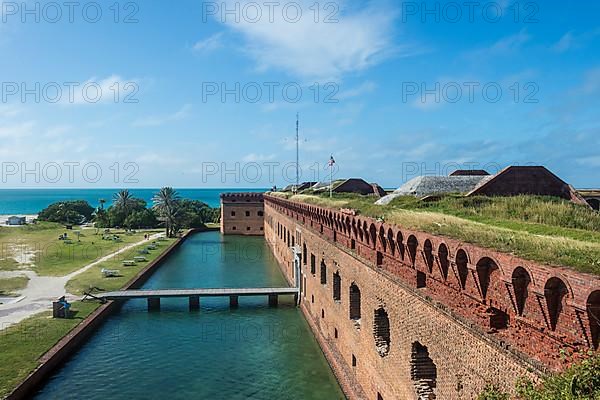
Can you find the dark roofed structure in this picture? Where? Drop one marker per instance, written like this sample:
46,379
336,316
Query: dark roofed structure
529,180
303,185
352,185
470,172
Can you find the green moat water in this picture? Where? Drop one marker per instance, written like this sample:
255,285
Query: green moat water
253,352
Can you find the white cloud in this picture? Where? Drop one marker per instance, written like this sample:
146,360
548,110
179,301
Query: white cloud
506,45
112,89
163,119
362,37
209,44
565,43
253,157
364,88
17,131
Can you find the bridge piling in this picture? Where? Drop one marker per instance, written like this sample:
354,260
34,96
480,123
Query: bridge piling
194,303
153,303
273,300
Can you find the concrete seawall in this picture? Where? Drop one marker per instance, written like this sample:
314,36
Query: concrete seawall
71,342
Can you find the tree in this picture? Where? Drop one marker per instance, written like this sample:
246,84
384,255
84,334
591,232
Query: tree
124,200
141,220
67,212
102,202
166,204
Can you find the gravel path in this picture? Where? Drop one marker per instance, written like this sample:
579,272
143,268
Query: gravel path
41,291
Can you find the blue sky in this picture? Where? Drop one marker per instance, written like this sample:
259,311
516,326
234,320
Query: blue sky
373,59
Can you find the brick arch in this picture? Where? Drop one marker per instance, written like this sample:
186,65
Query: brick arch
400,244
521,281
391,242
366,233
348,226
487,270
359,229
555,291
428,253
412,245
443,260
354,229
462,260
382,238
593,314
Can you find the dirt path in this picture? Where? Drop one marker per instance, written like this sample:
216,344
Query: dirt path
41,291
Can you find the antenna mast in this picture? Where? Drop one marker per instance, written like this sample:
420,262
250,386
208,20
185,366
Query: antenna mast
297,151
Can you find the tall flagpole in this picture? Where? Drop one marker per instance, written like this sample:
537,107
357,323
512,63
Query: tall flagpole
297,152
331,177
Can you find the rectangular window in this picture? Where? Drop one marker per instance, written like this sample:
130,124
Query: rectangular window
313,264
233,213
247,213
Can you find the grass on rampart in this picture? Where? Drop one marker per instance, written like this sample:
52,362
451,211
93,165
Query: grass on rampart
542,229
37,247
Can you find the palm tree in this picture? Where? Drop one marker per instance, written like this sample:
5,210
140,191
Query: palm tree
124,200
166,204
102,202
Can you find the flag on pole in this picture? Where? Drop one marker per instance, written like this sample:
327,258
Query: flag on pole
331,161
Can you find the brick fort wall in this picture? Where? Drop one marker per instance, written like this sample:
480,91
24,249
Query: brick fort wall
404,314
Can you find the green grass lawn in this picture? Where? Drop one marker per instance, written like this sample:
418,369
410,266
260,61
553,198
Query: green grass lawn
547,230
9,286
53,257
93,277
23,344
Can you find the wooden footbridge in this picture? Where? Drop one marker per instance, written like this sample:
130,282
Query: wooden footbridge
153,296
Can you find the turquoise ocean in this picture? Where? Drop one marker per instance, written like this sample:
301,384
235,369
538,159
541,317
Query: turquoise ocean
32,201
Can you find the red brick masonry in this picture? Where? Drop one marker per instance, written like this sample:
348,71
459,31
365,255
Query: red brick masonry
471,315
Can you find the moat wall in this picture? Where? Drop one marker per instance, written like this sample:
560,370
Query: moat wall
426,347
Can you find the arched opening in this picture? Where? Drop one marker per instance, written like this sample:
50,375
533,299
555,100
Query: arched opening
382,239
443,260
304,254
520,282
390,239
354,294
412,245
381,331
423,372
428,253
554,291
593,312
313,264
337,287
485,268
400,244
594,203
461,265
323,273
